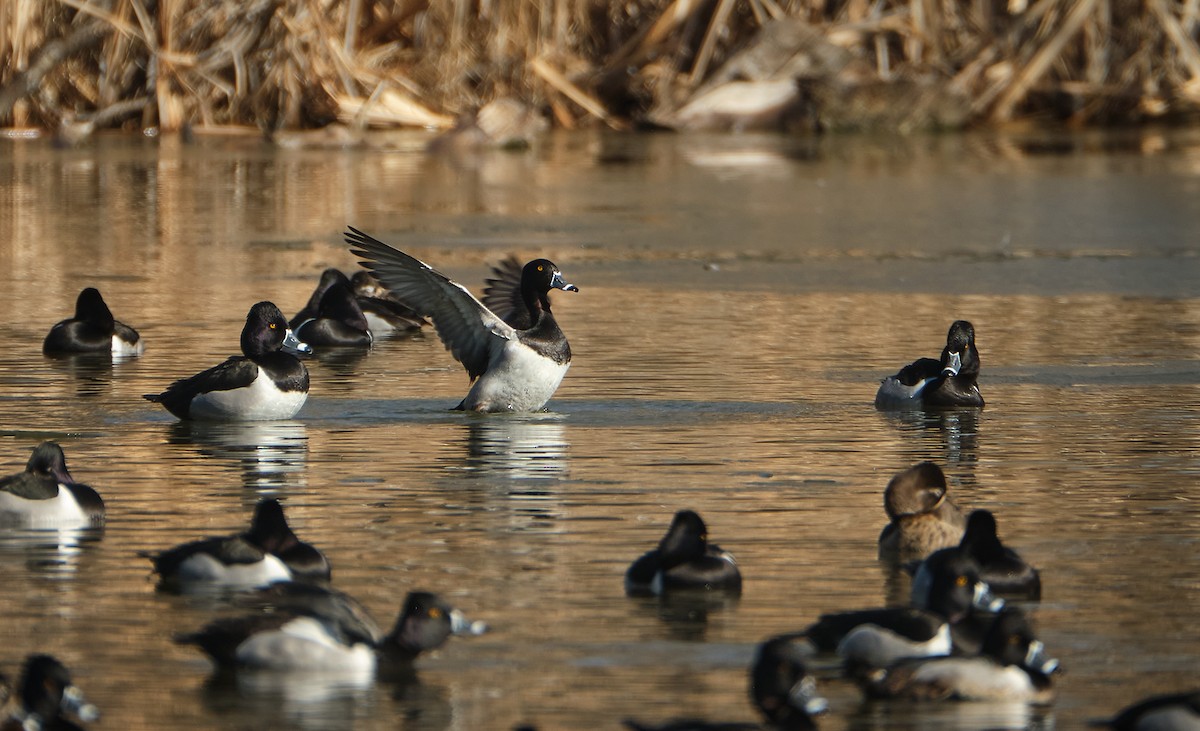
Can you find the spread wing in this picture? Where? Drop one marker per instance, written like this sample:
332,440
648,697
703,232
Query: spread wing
502,295
467,328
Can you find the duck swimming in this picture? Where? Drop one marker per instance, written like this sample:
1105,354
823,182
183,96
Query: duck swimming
511,368
684,559
948,381
46,496
266,382
93,329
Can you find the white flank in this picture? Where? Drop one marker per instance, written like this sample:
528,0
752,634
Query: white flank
124,349
879,647
978,679
519,380
260,401
304,644
202,568
57,512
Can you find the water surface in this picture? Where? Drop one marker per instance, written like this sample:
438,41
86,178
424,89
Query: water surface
740,299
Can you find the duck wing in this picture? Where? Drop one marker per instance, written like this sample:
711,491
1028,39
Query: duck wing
30,486
502,295
469,330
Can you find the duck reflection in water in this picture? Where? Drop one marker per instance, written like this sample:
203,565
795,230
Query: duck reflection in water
272,455
91,373
517,446
53,553
956,431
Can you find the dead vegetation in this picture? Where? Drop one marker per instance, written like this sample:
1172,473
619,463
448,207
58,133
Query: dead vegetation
78,65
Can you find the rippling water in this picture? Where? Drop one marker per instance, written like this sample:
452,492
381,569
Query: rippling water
740,299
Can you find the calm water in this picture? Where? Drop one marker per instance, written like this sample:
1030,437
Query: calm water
740,299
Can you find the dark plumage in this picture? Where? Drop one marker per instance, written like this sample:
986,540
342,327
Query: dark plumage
923,519
512,369
1170,712
948,381
1001,567
46,698
338,322
269,551
384,312
264,383
45,494
93,329
684,560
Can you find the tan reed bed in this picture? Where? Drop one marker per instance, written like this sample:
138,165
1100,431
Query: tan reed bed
79,65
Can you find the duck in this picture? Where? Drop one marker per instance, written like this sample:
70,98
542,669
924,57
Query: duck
948,381
313,630
922,517
783,691
268,552
267,382
1167,712
338,322
946,618
512,370
93,330
1000,566
46,496
384,312
684,559
46,698
1012,666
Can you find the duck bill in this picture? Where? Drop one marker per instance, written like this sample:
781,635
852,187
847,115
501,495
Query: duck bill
74,702
295,345
1037,660
460,625
558,282
953,367
984,600
804,695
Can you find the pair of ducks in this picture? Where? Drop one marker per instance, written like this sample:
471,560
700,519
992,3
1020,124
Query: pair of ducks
298,623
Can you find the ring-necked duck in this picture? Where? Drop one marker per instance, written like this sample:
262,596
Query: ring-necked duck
684,560
1012,666
949,381
338,322
947,615
311,630
512,369
45,494
1170,712
781,687
45,697
266,383
385,313
92,330
1001,567
923,519
268,552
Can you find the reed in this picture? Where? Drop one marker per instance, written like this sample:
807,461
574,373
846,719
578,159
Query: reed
81,65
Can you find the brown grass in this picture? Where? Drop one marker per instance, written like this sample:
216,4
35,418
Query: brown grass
300,64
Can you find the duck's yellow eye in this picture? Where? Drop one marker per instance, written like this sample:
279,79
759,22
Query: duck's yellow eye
273,326
960,580
435,613
540,267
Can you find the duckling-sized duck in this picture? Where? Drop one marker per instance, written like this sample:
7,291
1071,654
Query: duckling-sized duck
1001,567
310,631
780,686
1170,712
384,312
511,369
923,518
268,552
46,697
955,604
92,330
46,496
266,382
1012,666
949,381
684,559
339,321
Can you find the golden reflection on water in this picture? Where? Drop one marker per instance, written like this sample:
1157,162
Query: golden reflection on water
740,299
